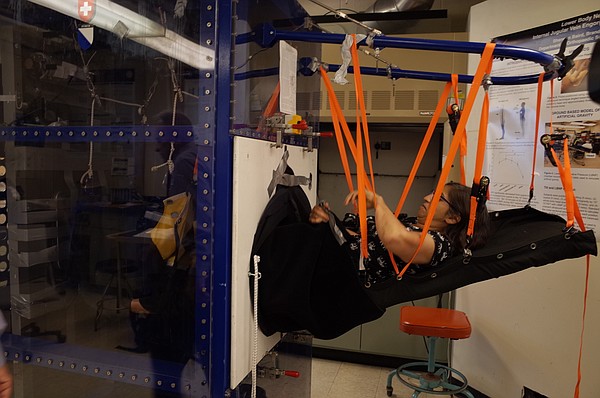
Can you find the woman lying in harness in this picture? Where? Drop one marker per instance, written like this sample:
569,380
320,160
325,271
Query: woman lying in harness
446,235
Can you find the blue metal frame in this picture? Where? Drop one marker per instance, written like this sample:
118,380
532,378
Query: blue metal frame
396,73
212,313
220,342
266,35
129,133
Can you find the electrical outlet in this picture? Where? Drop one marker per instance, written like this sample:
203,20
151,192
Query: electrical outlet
386,145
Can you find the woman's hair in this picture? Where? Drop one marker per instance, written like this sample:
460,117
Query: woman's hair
460,197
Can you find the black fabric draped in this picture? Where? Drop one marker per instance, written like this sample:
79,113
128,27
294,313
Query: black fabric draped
308,281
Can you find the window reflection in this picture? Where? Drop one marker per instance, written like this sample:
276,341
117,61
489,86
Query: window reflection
77,209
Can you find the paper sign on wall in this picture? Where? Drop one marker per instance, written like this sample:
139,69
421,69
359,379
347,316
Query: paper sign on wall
288,60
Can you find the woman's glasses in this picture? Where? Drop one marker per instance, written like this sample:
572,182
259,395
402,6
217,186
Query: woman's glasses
443,199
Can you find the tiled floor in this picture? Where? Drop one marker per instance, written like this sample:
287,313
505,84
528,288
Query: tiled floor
332,379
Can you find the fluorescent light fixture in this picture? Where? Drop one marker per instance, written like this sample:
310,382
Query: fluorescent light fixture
585,124
129,24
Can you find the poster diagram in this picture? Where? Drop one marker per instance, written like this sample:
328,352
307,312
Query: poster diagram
583,143
566,113
512,121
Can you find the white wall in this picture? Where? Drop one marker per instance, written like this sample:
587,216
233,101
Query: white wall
526,326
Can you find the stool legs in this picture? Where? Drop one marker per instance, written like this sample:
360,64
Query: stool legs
436,376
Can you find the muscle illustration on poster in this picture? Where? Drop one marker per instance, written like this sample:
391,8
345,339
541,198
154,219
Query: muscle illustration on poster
566,110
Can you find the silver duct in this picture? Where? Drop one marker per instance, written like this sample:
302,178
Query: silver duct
383,6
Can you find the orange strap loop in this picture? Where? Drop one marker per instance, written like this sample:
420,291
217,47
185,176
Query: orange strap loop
486,59
463,143
362,131
334,106
537,131
357,149
566,178
481,144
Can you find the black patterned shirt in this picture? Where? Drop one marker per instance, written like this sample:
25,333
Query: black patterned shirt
378,266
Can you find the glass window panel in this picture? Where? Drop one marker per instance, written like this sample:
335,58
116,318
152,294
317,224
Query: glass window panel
80,199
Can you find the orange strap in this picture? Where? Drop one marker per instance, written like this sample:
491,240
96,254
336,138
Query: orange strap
335,112
573,212
585,295
537,128
463,143
340,123
270,108
272,104
423,148
481,144
486,59
362,131
338,119
419,159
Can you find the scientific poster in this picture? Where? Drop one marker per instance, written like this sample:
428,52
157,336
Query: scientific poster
567,109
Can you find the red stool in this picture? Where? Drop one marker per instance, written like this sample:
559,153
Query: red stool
432,323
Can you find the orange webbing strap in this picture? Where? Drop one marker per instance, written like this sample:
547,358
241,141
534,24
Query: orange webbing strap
585,295
486,59
357,152
270,108
565,174
463,154
537,128
572,212
463,143
454,80
362,196
419,158
272,104
340,121
335,118
363,109
362,131
423,148
481,145
567,182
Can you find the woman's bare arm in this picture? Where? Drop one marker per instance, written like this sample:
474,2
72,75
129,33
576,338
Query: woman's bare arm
393,234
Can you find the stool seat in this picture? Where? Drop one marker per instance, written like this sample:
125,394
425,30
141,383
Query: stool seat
435,322
432,323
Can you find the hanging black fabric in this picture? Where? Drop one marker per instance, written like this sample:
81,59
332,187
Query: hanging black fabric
308,281
521,238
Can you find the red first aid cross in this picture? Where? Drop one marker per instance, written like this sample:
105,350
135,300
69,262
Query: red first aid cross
86,10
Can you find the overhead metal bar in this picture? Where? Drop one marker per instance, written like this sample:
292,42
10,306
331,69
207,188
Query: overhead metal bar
267,35
436,76
309,66
366,17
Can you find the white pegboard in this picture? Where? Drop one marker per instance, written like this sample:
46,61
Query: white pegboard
254,162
